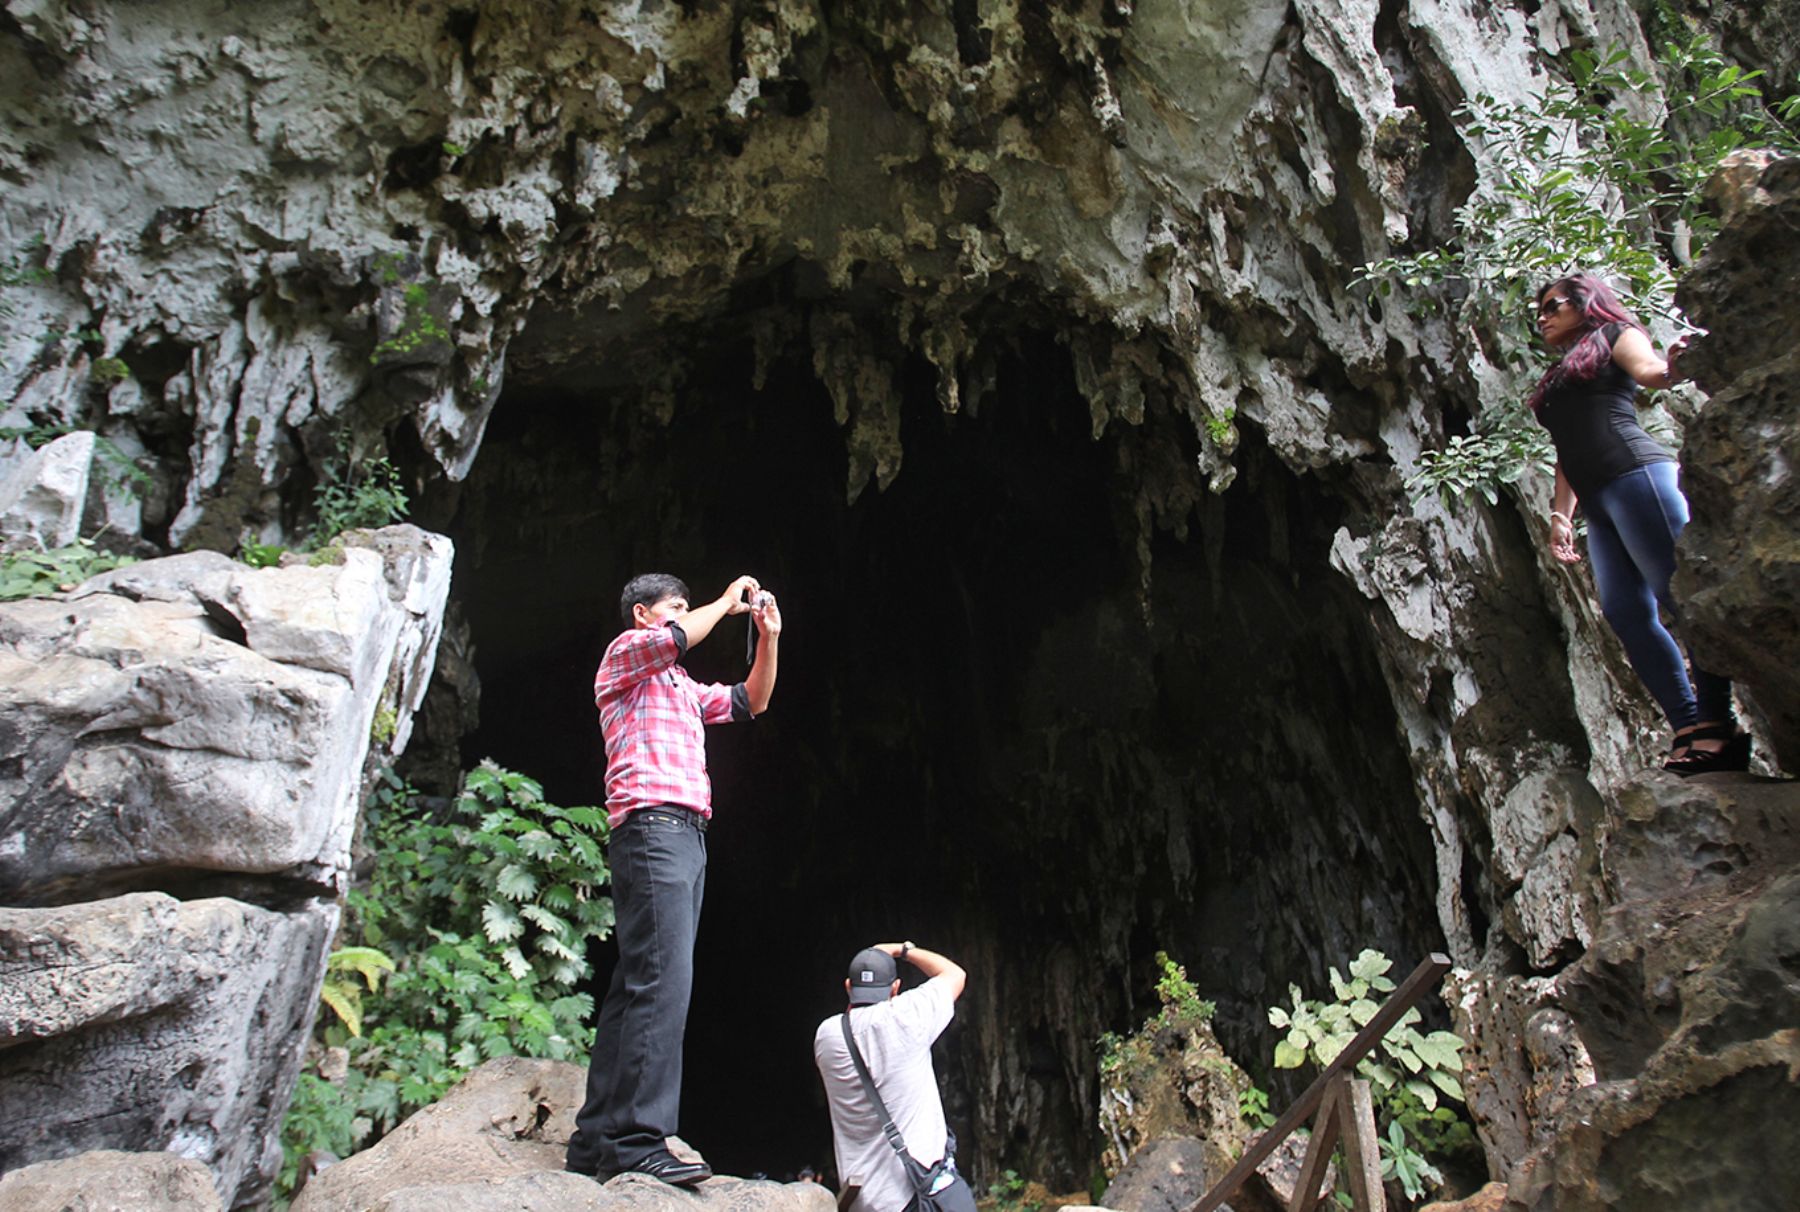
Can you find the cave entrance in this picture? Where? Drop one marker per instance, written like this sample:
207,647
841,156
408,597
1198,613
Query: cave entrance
985,737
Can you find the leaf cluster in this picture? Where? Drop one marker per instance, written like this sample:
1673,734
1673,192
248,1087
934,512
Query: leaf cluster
1406,1077
355,496
485,906
28,574
420,327
1180,999
1506,445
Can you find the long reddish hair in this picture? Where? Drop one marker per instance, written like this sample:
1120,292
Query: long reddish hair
1598,306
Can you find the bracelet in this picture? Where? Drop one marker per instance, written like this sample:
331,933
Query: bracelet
1564,518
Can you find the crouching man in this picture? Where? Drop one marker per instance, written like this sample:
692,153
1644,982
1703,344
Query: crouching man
893,1033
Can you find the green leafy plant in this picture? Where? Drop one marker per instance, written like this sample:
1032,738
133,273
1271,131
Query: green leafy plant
354,495
454,149
1408,1074
28,574
1007,1193
1110,1047
1179,996
1253,1108
1402,1162
260,555
1506,445
381,728
109,370
486,907
340,992
420,327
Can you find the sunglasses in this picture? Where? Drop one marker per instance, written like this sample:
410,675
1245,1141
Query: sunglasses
1551,306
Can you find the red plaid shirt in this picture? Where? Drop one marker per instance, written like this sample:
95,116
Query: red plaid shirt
652,715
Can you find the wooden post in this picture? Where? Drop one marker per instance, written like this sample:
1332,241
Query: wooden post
1362,1153
1318,1151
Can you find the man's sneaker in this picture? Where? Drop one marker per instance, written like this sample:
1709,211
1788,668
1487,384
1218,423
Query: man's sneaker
672,1170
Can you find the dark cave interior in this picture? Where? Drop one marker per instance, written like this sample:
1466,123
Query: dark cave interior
985,737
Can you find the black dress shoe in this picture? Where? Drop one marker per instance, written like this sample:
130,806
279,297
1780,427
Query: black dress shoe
671,1169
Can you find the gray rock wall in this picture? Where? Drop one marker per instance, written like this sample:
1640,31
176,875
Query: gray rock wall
184,745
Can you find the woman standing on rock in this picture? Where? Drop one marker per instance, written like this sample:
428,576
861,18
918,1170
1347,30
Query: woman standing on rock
1626,483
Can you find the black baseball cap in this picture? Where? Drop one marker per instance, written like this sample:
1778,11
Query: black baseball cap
871,976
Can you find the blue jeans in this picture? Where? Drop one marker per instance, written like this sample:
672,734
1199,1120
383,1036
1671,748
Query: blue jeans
1633,522
658,858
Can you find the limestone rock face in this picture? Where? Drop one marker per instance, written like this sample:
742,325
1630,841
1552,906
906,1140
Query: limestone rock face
496,1142
198,727
111,1181
1686,1004
41,497
157,1022
1739,572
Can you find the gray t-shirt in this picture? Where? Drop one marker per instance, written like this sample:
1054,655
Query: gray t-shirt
895,1039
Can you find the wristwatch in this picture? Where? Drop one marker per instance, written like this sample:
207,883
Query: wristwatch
904,948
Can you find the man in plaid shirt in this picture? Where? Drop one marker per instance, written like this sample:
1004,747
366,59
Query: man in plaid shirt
658,800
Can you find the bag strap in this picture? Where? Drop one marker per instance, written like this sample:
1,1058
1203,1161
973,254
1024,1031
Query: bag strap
887,1121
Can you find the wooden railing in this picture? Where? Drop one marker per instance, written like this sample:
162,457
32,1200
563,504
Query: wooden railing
1344,1114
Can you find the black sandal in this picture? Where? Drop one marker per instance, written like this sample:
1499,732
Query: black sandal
1733,755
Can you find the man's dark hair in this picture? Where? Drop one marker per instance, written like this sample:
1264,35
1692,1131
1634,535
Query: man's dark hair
649,589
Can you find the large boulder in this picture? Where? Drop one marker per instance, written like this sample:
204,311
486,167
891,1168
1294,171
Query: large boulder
1739,574
42,498
1686,1003
156,1023
110,1181
495,1143
183,748
194,715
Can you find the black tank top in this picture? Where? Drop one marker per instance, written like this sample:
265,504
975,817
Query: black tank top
1595,427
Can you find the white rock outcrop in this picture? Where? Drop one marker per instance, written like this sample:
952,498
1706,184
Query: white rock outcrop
203,728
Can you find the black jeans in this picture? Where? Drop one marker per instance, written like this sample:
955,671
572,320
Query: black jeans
658,858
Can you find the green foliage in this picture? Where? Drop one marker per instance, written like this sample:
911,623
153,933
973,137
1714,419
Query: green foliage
340,992
486,908
1406,1076
1179,997
1601,172
1111,1047
389,268
1253,1108
1506,444
355,495
320,1117
260,555
109,370
381,728
29,574
1399,1160
454,149
1219,428
1007,1193
421,326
